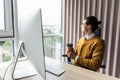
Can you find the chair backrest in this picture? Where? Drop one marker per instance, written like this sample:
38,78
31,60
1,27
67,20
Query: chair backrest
98,32
103,66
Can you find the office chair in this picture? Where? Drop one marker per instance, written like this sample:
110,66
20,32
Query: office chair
103,66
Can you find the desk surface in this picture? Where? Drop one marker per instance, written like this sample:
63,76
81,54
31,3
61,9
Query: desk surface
71,73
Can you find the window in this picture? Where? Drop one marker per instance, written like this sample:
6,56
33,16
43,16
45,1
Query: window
6,31
52,28
2,16
6,50
51,20
6,27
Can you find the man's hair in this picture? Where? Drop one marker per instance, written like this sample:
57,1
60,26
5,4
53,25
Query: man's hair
92,20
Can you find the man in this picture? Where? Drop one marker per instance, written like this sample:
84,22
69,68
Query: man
89,51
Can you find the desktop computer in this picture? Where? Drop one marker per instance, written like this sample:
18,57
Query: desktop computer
31,35
32,45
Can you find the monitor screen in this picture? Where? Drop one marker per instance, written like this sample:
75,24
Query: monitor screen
30,32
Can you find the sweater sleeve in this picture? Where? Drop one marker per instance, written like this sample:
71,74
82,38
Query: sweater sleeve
97,56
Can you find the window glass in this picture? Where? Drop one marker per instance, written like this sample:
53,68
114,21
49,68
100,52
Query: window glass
6,51
2,27
51,20
6,31
6,18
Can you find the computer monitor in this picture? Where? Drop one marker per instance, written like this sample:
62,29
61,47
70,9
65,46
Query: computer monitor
31,35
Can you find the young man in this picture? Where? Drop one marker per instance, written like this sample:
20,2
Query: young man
89,51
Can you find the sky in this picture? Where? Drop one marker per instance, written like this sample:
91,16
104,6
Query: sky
51,13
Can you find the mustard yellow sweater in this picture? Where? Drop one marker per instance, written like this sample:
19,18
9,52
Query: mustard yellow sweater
90,53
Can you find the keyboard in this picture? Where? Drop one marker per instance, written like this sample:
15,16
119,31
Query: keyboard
54,70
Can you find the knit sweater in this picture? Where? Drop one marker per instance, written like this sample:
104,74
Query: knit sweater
90,53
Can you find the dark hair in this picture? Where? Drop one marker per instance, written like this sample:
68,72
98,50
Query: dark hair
92,20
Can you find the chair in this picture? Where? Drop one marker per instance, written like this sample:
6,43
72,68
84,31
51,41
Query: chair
103,66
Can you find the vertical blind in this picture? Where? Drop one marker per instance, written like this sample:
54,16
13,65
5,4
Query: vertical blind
107,11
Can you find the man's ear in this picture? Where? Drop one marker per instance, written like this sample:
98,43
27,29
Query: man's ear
89,26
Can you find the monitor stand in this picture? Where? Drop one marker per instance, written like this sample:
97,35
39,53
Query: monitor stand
22,68
25,70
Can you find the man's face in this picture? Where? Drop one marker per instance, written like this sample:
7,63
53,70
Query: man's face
84,26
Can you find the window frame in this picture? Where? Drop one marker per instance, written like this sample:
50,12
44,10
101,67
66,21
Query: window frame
8,20
11,32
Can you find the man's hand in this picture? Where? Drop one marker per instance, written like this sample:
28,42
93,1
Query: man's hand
71,54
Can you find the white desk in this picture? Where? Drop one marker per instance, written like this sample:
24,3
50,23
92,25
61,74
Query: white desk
72,73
